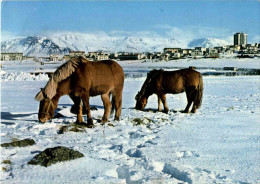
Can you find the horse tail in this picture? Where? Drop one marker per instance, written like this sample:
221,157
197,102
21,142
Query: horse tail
199,93
113,106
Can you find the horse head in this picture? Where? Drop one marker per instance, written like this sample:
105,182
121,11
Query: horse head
46,108
141,101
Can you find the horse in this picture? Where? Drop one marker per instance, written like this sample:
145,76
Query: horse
80,79
161,82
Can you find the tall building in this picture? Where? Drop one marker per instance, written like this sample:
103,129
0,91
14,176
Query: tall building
240,39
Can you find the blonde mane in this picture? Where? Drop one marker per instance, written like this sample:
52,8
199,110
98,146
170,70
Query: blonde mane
62,73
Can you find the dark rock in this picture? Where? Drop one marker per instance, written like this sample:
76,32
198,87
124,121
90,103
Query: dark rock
53,155
19,143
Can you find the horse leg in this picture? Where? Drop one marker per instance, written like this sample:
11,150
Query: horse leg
166,109
85,99
159,103
76,107
189,96
117,95
194,107
107,105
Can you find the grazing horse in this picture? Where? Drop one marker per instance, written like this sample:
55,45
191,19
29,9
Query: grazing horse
161,82
81,79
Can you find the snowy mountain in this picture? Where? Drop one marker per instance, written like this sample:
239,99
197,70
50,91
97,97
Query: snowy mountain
207,42
63,43
33,46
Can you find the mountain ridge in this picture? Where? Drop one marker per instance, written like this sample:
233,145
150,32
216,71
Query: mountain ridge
62,44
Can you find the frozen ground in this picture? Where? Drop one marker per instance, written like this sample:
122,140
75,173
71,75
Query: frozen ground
218,144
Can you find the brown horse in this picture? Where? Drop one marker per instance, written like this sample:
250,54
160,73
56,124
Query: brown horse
81,79
161,82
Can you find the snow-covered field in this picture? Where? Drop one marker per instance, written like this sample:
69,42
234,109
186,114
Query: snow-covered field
218,144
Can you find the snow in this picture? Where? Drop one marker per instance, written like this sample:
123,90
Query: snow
218,144
62,43
207,42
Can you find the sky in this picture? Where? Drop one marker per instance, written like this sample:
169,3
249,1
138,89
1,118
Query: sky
172,19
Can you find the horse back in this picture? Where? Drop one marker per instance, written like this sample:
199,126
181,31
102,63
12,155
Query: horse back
178,81
98,77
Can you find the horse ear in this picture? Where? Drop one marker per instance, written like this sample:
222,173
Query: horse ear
39,96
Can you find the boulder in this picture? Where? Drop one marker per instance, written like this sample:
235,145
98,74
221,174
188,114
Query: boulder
53,155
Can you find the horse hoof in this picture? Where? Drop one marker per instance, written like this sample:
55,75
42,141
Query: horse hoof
103,121
166,111
90,122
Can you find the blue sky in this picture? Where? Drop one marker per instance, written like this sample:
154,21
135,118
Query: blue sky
173,19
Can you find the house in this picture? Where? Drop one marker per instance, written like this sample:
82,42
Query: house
54,57
185,52
196,53
96,56
11,56
220,49
212,53
172,50
76,53
201,49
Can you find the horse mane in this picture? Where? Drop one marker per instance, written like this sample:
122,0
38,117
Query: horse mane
150,78
62,73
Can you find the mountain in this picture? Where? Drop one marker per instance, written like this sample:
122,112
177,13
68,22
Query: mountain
62,43
207,42
33,46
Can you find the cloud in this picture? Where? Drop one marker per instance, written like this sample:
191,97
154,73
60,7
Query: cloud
188,33
256,39
5,35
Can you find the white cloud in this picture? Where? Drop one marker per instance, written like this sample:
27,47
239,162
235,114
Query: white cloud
256,39
5,35
189,33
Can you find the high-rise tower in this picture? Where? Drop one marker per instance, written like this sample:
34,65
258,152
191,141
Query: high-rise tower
240,39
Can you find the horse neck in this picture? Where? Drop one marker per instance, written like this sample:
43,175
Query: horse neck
146,91
62,89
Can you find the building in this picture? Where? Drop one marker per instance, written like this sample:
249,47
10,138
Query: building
54,57
212,53
11,56
172,50
129,56
76,53
240,39
197,53
185,52
97,56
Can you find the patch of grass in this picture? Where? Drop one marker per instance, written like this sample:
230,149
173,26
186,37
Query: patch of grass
144,121
6,162
53,155
19,143
164,119
138,121
72,128
6,169
15,139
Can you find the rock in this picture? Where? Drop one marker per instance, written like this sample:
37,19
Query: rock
53,155
19,143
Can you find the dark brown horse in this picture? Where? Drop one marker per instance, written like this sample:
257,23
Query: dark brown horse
161,82
81,79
